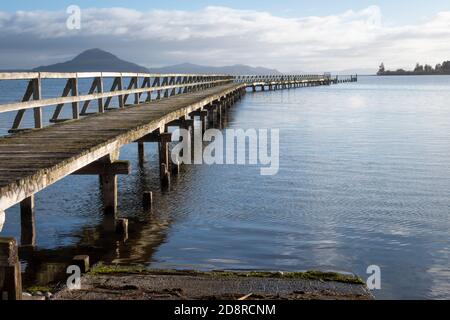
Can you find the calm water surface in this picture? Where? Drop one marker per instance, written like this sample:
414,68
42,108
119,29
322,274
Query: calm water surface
364,179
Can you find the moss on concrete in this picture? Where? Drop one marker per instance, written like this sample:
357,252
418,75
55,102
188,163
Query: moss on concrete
35,289
101,269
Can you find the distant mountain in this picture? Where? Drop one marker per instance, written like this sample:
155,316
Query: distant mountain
94,60
14,70
238,69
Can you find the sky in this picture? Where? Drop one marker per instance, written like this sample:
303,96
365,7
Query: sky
290,35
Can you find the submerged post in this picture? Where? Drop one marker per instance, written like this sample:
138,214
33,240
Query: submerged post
147,200
164,139
141,154
10,276
122,227
109,192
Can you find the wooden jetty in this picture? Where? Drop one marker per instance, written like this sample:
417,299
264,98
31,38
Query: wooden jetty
89,142
278,82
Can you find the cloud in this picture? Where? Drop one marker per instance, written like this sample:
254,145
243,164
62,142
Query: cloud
220,35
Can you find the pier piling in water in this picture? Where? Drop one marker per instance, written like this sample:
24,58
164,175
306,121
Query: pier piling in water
122,227
164,139
28,222
141,154
82,262
109,193
147,200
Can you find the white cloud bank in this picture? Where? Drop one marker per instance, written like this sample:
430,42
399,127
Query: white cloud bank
219,36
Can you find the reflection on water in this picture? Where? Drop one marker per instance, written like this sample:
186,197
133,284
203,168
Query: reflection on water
364,179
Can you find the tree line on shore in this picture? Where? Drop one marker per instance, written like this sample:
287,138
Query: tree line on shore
440,68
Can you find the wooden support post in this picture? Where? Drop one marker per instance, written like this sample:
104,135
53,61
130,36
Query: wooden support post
141,154
82,262
75,105
10,276
37,96
101,107
122,227
120,88
211,110
188,124
165,138
109,192
165,176
28,222
147,200
175,166
204,122
223,109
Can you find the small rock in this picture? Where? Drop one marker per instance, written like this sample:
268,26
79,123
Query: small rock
38,293
48,295
26,294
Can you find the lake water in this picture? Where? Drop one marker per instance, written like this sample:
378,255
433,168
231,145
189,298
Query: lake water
364,180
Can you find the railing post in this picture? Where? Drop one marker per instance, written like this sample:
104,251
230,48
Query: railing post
171,83
37,96
185,88
165,83
120,88
101,107
75,105
10,276
156,83
148,84
136,86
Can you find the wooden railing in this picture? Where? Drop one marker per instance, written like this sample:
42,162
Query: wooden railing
152,86
253,79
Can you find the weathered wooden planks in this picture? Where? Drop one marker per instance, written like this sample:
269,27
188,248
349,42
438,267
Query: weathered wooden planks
32,160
